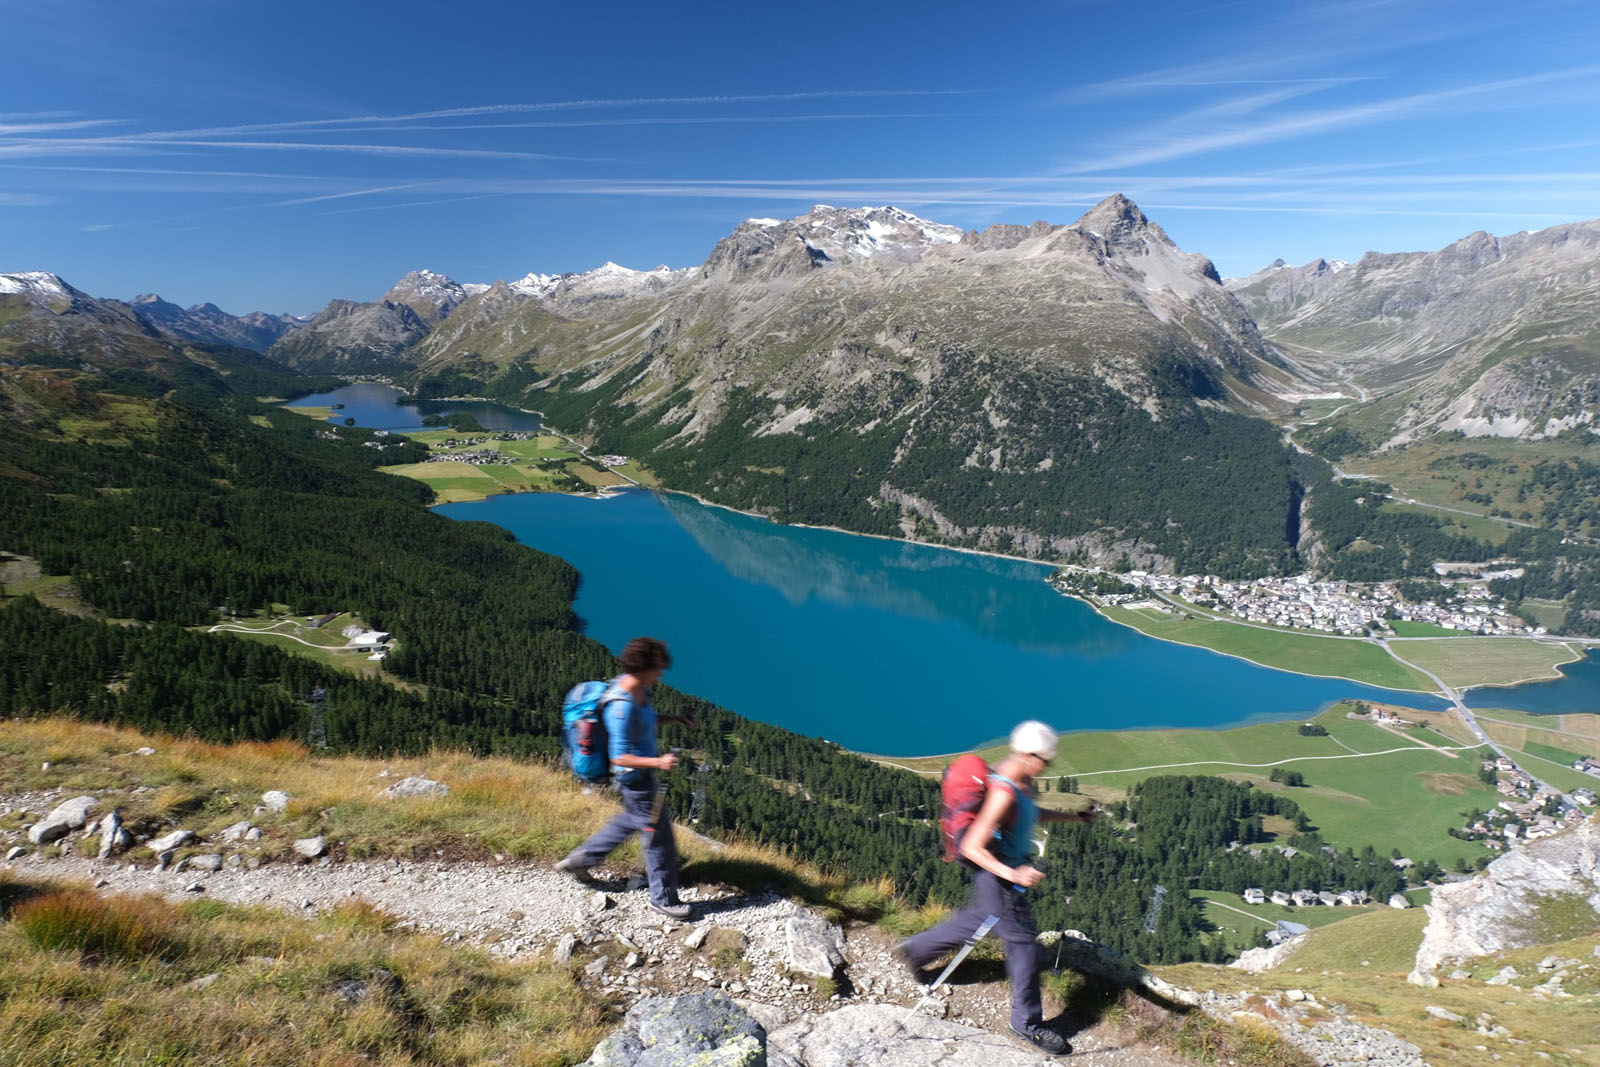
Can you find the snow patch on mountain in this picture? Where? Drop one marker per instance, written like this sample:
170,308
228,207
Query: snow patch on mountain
608,281
36,285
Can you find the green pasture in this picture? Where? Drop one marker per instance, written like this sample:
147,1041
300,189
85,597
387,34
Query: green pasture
1403,628
1288,650
1359,790
1465,661
313,412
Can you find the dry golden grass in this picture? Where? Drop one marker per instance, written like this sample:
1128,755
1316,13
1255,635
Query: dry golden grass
1362,963
521,810
86,979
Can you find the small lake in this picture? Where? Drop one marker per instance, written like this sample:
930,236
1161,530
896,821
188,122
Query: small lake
373,406
883,646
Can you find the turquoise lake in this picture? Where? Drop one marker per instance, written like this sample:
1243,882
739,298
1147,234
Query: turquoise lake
883,646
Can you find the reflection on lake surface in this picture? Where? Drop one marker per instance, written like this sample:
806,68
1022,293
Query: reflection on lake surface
883,646
373,406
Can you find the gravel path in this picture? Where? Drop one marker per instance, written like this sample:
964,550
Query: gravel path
519,910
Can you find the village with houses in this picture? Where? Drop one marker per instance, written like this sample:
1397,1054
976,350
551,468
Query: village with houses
1301,602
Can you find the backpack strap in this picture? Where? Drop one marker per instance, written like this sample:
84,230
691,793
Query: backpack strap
1016,795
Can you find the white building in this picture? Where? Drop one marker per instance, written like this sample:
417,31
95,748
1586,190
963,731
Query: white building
1254,896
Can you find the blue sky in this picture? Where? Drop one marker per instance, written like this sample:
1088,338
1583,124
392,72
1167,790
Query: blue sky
274,156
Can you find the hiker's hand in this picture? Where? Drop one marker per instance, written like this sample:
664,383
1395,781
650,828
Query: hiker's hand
667,762
1027,877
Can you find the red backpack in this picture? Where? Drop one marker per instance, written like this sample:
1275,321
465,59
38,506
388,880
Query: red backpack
962,791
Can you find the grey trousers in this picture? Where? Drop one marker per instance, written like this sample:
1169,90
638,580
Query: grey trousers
992,895
660,849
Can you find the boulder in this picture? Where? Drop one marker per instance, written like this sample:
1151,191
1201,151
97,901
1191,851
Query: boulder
275,800
415,787
68,816
235,833
113,838
567,944
1080,953
311,847
211,862
815,946
874,1034
16,852
168,842
1497,910
701,1029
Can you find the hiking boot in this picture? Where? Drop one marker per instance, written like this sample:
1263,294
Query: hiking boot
914,969
578,870
678,911
1045,1040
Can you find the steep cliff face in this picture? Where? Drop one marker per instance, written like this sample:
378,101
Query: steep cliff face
1547,891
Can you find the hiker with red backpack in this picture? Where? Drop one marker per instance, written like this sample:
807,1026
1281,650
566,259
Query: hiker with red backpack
988,819
611,730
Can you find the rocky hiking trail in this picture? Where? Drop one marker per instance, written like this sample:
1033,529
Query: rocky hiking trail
822,994
737,943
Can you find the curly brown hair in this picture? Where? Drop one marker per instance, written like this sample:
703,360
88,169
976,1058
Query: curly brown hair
645,654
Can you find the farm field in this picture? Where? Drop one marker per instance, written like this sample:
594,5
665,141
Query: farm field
1465,661
1366,785
1303,653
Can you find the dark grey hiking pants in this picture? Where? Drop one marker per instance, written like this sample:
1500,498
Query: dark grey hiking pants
995,896
660,849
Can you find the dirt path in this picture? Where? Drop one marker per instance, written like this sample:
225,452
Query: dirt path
519,910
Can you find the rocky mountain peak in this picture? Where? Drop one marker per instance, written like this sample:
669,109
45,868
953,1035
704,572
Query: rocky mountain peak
432,296
826,236
1116,218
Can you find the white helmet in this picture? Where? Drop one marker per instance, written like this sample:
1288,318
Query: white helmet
1033,738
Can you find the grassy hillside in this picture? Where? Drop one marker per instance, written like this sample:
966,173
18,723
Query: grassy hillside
1362,964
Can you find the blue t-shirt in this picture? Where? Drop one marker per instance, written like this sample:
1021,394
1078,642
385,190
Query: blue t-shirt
1013,845
632,732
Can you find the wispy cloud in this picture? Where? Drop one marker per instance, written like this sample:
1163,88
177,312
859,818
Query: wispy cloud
1167,142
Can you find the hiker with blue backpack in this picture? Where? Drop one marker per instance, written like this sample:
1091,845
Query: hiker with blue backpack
611,732
987,818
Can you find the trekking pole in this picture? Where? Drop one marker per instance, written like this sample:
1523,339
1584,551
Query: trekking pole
977,935
660,798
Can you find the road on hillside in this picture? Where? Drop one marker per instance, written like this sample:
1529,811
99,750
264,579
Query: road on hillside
1472,724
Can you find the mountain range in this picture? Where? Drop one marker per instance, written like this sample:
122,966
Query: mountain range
1047,389
1490,336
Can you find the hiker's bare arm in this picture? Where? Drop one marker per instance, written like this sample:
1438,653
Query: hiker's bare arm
975,843
647,763
1087,815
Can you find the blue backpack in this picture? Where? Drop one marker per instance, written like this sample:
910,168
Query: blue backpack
584,726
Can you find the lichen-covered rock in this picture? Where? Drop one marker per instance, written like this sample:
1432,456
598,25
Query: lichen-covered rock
415,787
699,1030
69,815
873,1034
275,800
1499,909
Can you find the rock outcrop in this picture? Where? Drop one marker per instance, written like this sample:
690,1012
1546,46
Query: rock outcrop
1509,904
881,1035
415,787
699,1030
